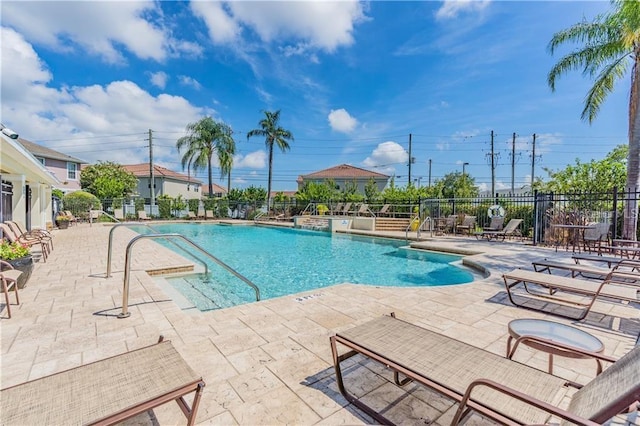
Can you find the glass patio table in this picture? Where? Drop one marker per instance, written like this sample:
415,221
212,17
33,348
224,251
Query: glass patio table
553,338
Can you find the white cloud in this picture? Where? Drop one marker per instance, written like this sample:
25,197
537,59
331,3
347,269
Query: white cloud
452,8
159,79
253,160
89,122
341,121
387,154
99,28
190,81
308,24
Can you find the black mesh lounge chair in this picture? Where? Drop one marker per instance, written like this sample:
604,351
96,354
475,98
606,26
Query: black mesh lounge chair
477,380
510,230
107,391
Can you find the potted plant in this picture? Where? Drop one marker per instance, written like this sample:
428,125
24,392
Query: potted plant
19,256
62,221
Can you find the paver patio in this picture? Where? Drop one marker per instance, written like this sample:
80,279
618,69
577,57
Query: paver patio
269,362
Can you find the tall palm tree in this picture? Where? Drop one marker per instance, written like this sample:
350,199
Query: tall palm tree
610,46
204,138
274,135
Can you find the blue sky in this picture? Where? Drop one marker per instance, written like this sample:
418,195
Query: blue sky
352,81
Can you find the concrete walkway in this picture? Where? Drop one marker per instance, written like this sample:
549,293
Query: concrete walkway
270,362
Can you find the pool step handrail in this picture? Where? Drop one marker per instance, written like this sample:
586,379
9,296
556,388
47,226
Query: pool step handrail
426,219
102,212
127,267
110,246
406,231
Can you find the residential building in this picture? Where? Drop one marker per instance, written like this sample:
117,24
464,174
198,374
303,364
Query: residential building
25,194
64,167
166,182
218,191
344,175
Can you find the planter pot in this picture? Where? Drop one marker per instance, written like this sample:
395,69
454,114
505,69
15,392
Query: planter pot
62,224
24,264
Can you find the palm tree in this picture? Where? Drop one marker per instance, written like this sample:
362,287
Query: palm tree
204,138
611,45
274,135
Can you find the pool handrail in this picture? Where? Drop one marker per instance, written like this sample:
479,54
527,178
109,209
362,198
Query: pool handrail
426,219
127,268
110,246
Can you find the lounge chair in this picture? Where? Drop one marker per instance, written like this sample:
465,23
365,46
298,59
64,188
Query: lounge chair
191,215
107,391
497,223
346,208
609,260
40,234
364,209
201,213
118,214
72,218
9,279
588,271
208,214
477,380
142,215
384,210
510,230
612,287
468,224
8,234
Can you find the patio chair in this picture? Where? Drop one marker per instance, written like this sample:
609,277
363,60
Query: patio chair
468,224
588,271
142,215
510,230
364,209
346,208
497,223
9,279
191,215
8,234
609,260
40,234
477,380
72,218
118,214
613,286
107,391
201,213
594,237
208,214
337,209
384,210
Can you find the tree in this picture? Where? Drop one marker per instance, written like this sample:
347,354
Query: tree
108,180
204,138
456,185
274,135
610,45
594,176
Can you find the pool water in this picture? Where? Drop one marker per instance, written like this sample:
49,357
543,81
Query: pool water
287,261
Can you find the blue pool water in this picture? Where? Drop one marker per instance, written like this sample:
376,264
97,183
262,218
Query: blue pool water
287,261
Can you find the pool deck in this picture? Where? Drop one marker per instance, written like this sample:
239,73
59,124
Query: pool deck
269,362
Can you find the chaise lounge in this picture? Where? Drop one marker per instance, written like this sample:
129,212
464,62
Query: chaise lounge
107,391
559,289
477,380
510,230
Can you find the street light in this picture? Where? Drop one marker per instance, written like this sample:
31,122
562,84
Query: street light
464,167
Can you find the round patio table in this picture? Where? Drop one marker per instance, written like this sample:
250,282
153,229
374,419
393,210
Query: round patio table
553,338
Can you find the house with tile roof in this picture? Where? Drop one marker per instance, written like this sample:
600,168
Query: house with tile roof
64,167
344,175
25,186
218,191
166,182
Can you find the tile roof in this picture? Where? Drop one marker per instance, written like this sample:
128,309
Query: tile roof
216,188
142,170
44,152
344,171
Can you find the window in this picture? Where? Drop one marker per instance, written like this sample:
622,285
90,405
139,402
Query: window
71,170
40,159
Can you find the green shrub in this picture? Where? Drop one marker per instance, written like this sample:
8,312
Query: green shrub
80,202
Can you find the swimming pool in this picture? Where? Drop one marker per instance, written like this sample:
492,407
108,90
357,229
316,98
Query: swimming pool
287,261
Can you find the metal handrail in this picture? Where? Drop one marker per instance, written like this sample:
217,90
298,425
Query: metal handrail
427,219
258,216
127,268
110,246
406,232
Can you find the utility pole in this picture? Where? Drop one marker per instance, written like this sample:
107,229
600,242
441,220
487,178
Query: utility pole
533,160
493,169
152,185
410,159
513,163
429,172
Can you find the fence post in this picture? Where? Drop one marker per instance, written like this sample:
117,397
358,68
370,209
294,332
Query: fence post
536,221
614,228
